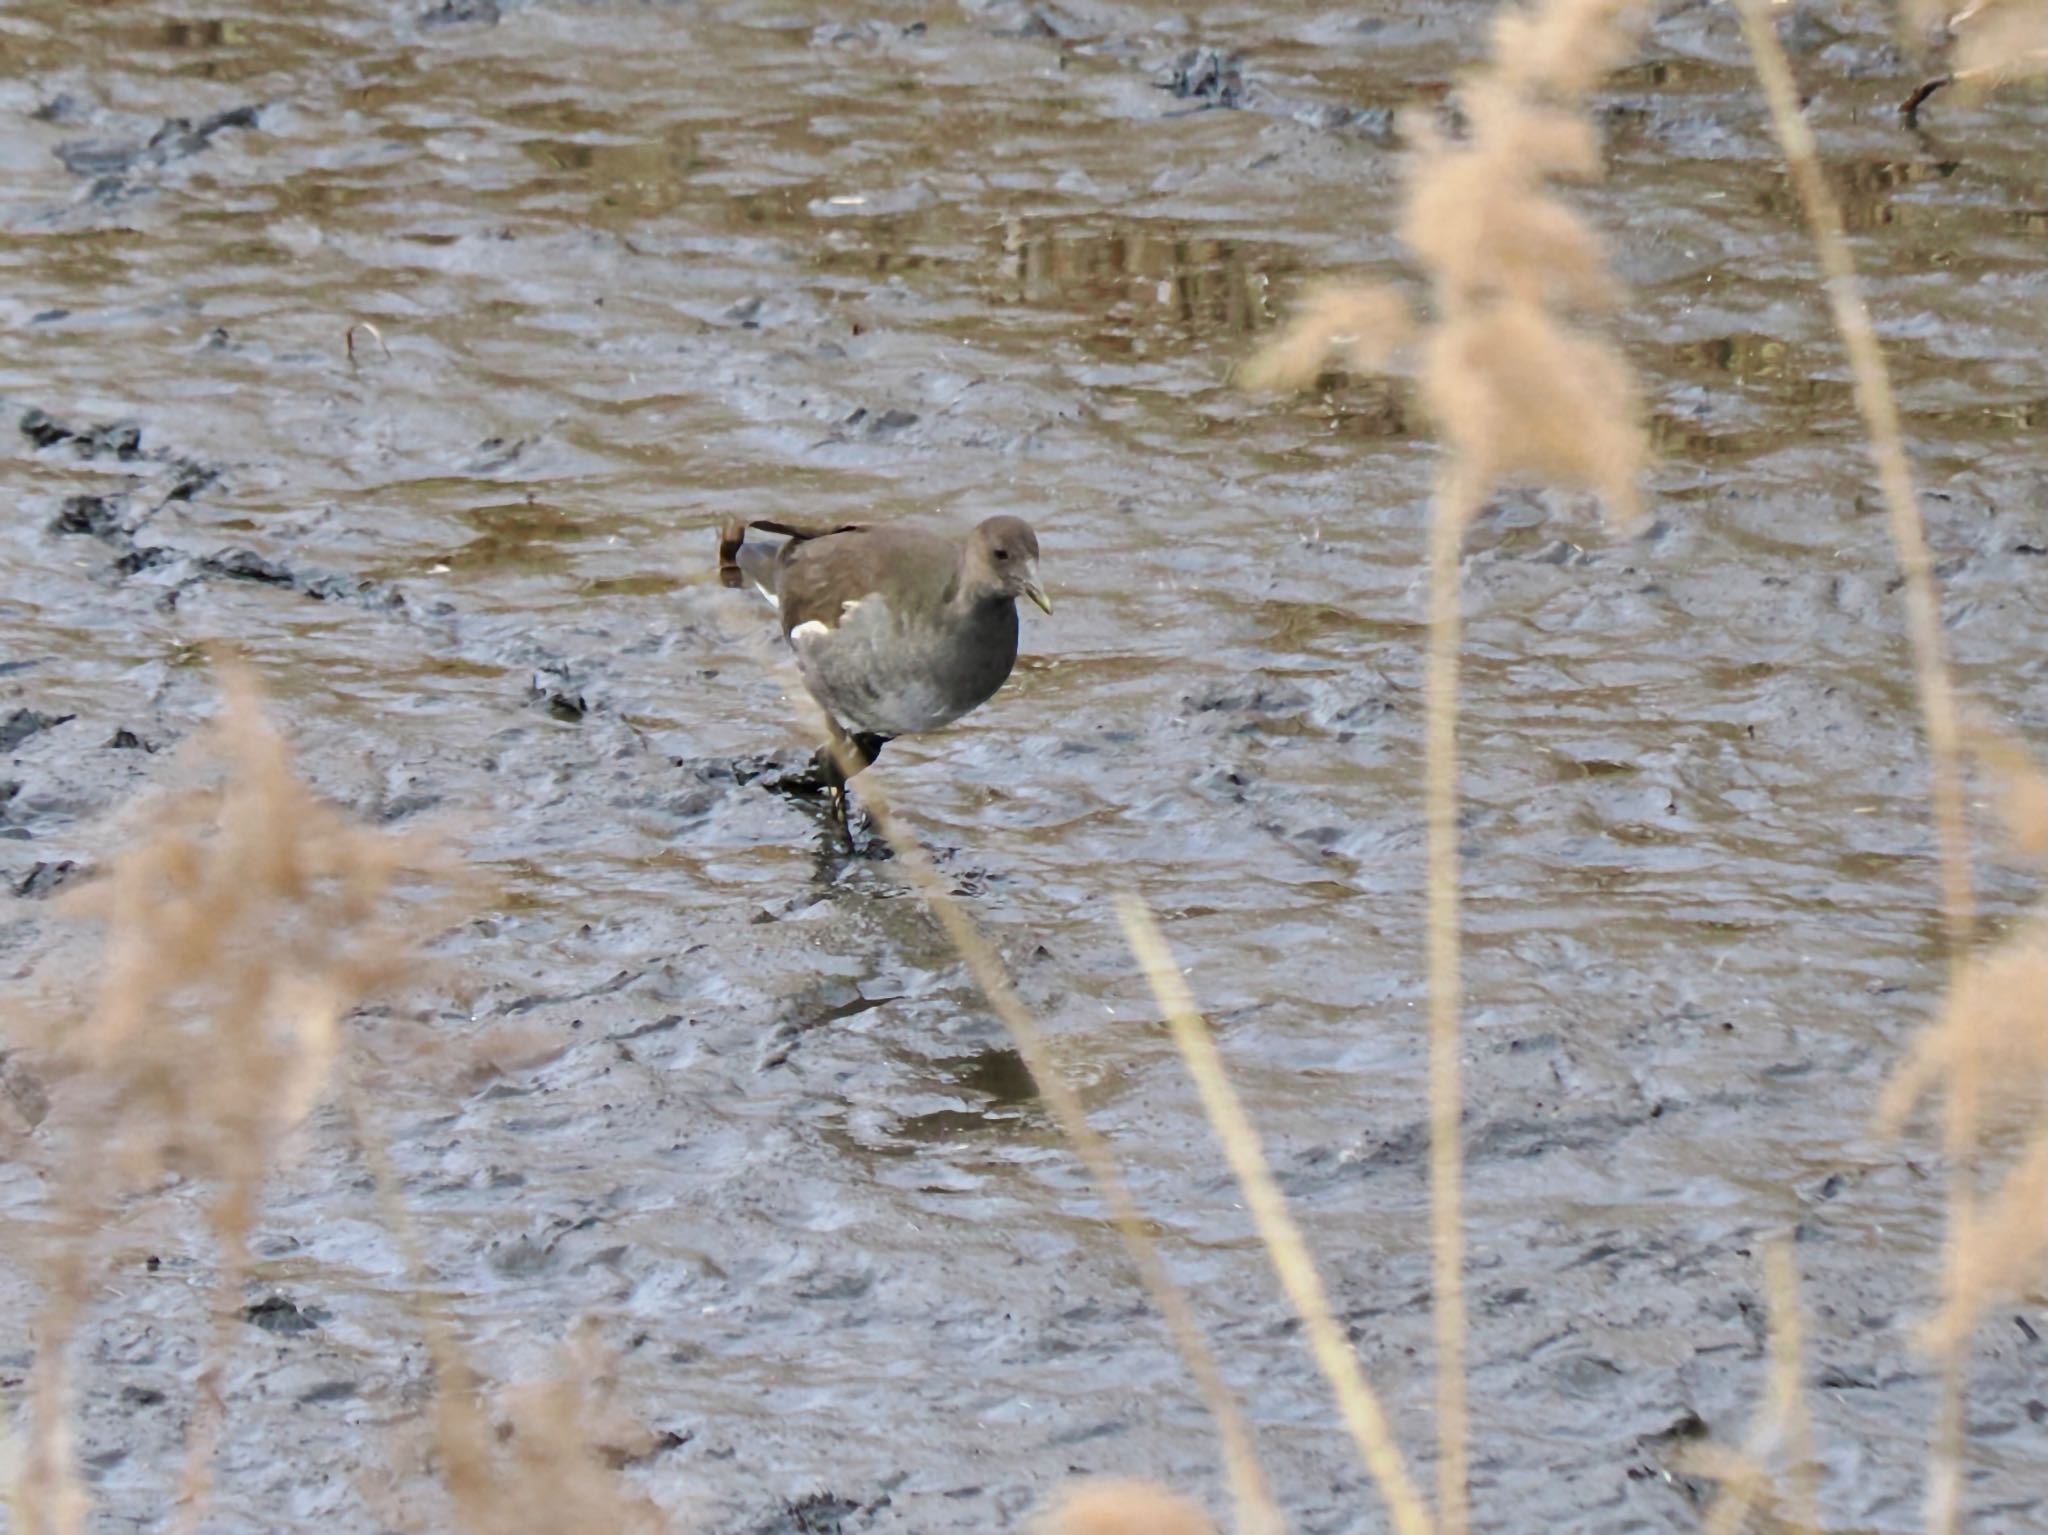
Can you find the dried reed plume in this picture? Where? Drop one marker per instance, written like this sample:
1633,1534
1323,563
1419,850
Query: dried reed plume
1107,1506
1997,1011
1517,390
1358,325
1994,43
1999,42
241,929
547,1465
1282,1239
1875,402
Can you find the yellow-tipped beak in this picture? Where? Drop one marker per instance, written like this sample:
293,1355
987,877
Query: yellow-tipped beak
1037,594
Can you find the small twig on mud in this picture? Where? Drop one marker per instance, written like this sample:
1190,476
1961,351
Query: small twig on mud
1284,1244
1874,400
372,329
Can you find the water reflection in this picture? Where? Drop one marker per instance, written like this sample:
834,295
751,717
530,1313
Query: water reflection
1170,279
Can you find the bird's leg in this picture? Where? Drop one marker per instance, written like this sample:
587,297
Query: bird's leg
843,755
838,760
835,784
864,748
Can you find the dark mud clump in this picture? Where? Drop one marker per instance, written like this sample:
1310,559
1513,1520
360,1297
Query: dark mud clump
458,13
119,518
283,1315
46,879
1212,79
20,724
1207,78
116,167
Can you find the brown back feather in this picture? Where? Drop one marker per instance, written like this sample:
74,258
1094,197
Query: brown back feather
733,532
816,577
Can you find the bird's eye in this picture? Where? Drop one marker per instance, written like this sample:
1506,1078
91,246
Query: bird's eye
1002,554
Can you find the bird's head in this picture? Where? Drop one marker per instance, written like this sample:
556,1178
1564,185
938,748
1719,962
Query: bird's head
1003,560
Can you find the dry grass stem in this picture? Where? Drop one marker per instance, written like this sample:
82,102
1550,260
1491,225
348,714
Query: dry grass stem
47,1495
1517,389
1256,1511
462,1450
1788,1375
1880,414
540,1465
1746,1488
240,930
1446,997
1783,1424
1360,1405
542,1470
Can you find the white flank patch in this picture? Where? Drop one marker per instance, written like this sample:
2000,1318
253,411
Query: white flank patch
768,597
809,630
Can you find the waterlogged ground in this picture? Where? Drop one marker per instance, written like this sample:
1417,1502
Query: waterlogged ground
639,266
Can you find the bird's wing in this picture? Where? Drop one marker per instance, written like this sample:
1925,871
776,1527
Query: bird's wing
817,579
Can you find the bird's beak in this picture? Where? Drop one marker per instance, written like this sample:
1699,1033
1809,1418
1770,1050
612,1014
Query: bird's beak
1037,593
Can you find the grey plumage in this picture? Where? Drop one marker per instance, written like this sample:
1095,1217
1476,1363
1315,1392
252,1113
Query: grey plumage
896,628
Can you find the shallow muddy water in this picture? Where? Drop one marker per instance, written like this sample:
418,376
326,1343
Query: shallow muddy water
635,267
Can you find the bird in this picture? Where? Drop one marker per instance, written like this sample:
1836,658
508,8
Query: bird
897,628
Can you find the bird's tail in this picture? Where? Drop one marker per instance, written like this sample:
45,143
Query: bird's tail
743,564
757,568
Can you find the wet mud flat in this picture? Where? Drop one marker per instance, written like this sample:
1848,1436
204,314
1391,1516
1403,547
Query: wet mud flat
700,1079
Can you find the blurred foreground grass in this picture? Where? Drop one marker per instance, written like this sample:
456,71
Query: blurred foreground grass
247,920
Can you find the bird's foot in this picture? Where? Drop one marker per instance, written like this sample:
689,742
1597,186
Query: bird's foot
865,840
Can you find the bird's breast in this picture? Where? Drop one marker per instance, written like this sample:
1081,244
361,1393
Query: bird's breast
881,672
